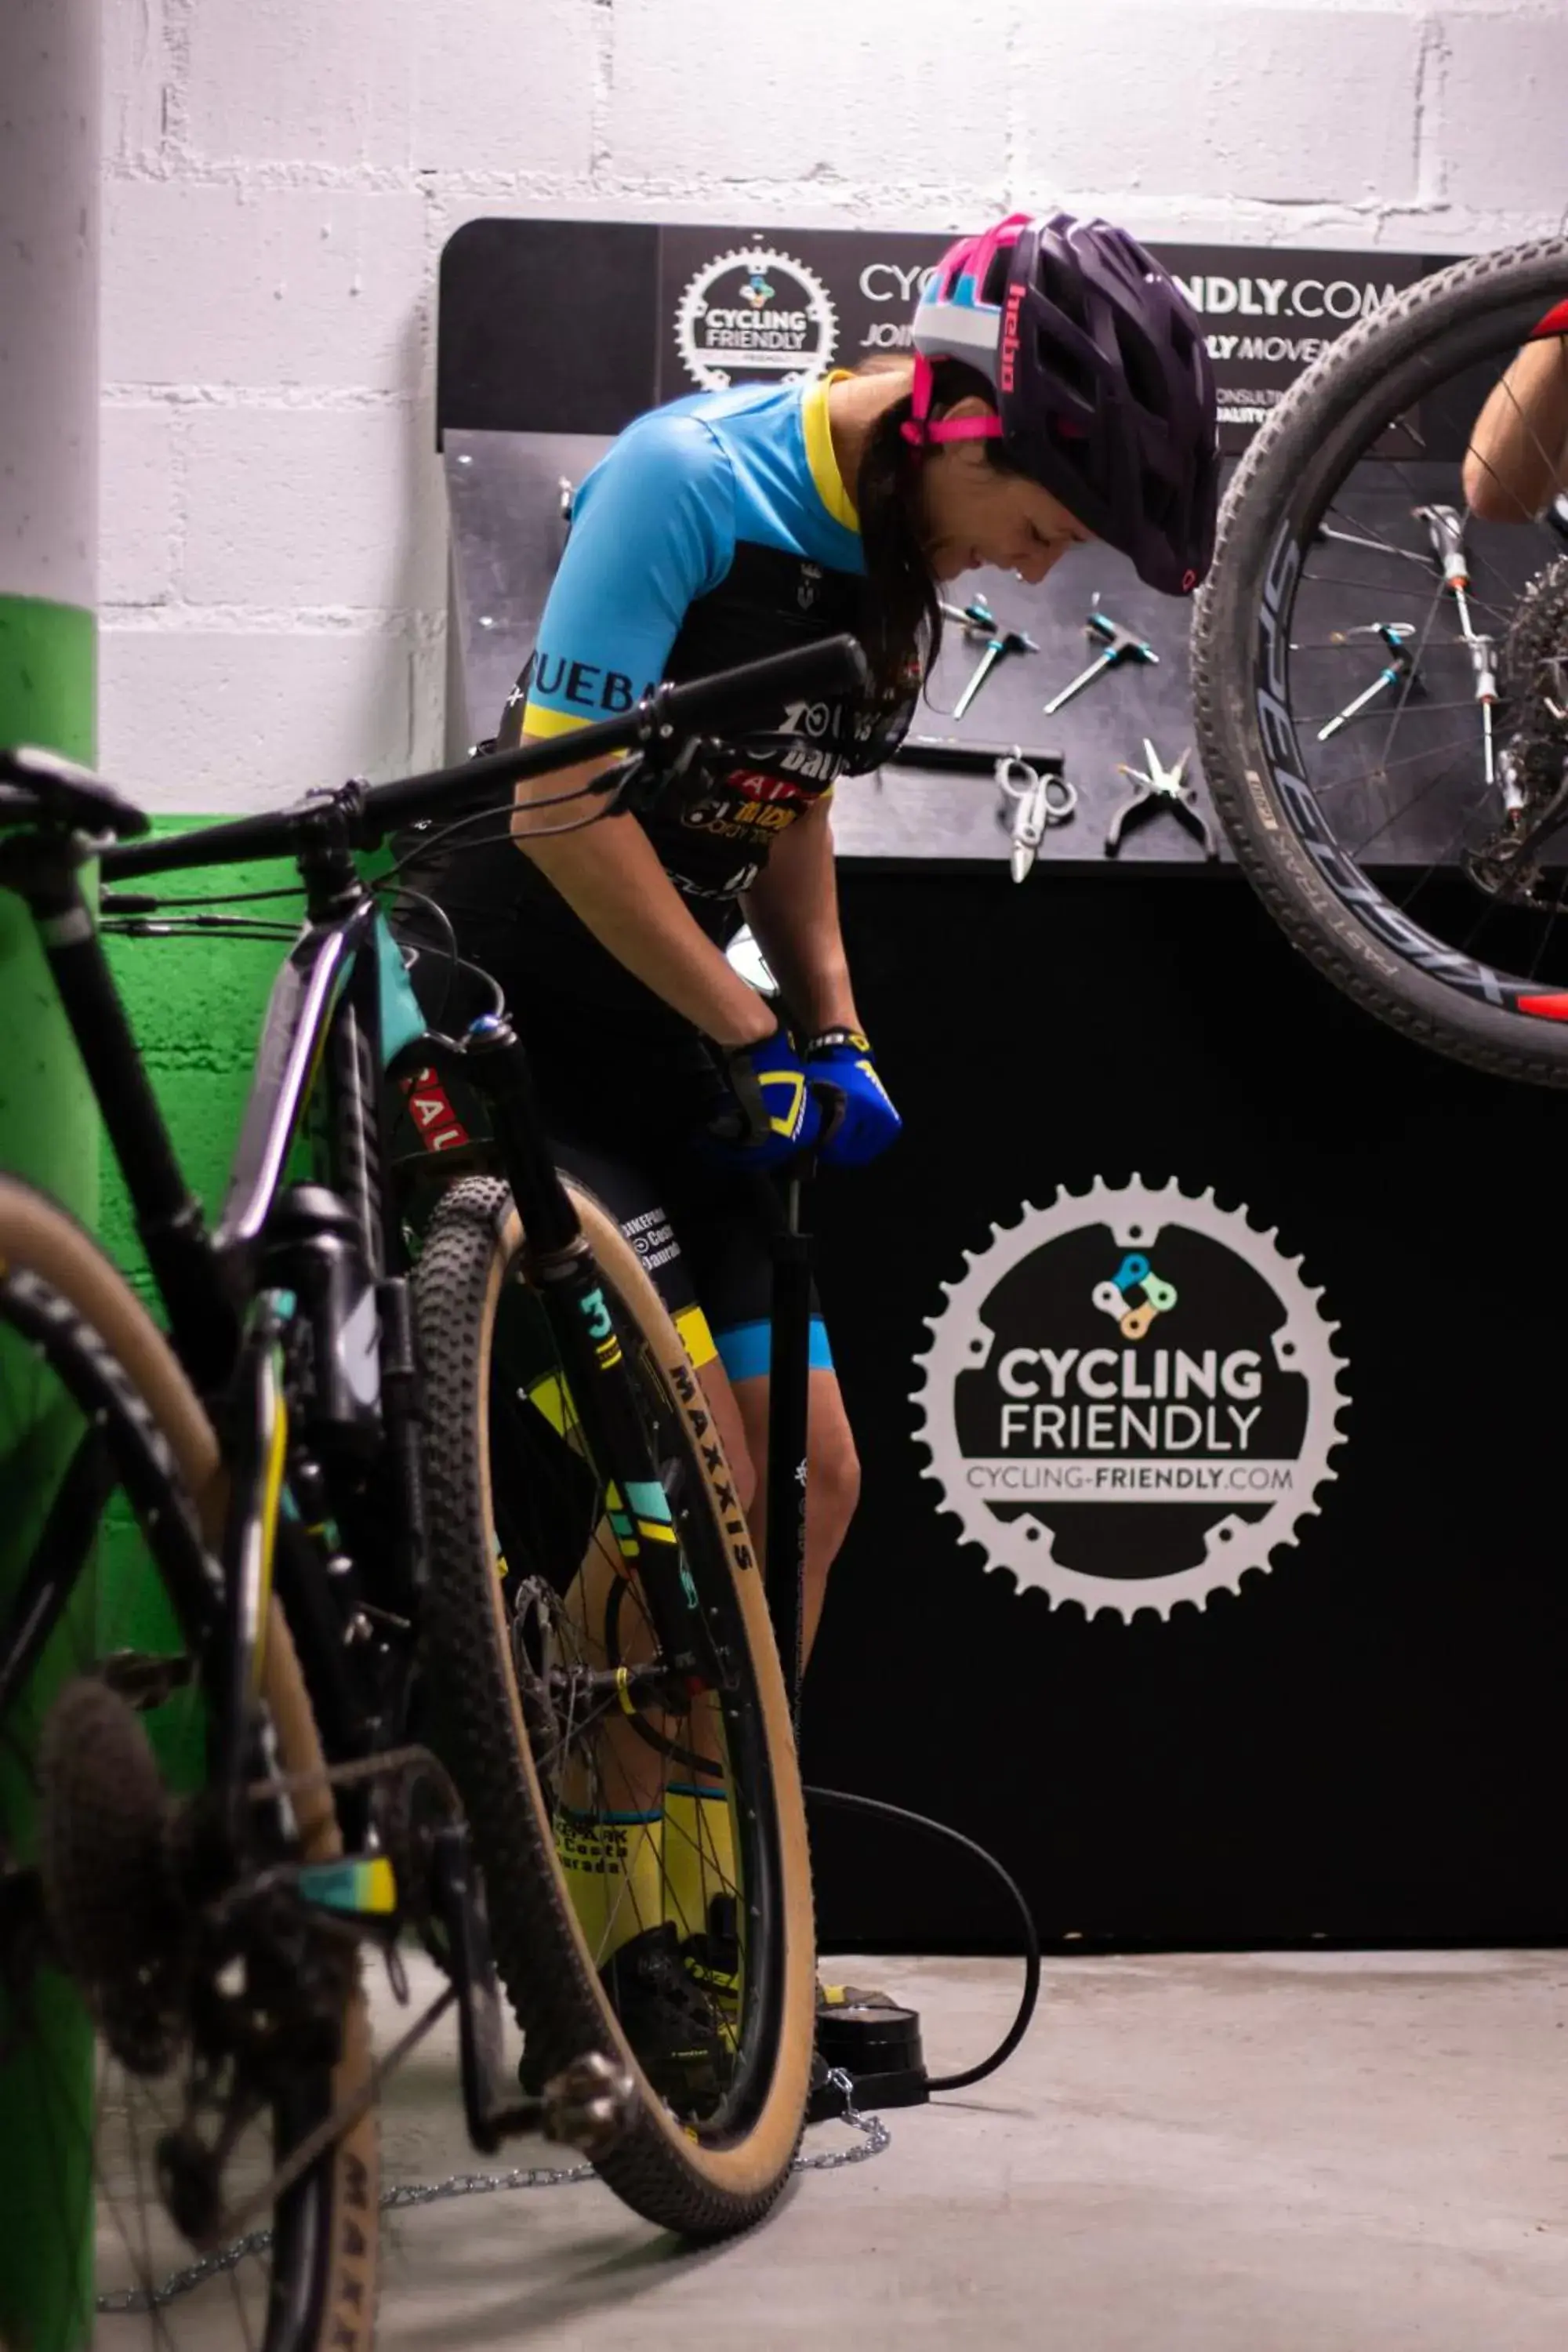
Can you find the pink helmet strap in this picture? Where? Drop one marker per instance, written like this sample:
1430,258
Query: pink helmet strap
918,428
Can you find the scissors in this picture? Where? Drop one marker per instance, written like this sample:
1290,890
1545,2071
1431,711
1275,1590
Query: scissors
1039,798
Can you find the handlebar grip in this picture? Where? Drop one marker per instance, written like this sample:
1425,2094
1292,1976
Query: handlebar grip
834,665
268,836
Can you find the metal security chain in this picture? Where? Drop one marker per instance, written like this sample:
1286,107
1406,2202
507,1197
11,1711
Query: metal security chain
875,2136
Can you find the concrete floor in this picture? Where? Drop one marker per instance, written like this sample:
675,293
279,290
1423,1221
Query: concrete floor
1298,2153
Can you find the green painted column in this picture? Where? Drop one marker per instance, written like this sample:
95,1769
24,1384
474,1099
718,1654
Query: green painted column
50,81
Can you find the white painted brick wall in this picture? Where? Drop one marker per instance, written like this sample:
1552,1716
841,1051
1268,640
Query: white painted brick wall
298,507
264,286
140,509
835,90
281,176
220,712
1209,102
382,86
1500,106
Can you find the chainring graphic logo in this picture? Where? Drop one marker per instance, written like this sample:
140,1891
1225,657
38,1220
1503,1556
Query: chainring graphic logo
755,313
1131,1398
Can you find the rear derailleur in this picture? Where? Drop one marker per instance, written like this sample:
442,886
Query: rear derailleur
1532,760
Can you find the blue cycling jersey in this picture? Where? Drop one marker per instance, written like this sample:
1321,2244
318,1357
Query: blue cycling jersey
716,530
659,526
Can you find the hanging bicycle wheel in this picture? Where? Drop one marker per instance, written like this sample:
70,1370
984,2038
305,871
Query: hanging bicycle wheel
1381,673
160,2062
644,1847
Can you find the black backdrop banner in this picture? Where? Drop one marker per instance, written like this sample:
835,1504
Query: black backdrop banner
1358,1740
1315,1696
578,326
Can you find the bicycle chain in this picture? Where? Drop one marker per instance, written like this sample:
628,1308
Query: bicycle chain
136,2301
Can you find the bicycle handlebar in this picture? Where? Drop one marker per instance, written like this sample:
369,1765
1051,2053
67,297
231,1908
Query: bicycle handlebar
834,665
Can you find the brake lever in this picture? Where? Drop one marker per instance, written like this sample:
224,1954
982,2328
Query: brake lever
834,1103
637,783
803,1170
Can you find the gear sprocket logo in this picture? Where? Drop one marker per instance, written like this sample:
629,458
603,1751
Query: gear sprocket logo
755,313
1131,1398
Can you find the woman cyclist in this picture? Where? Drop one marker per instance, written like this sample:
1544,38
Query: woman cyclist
1059,392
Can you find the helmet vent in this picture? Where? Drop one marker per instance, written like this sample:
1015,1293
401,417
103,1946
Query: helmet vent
1061,290
1144,379
995,286
1066,364
1159,501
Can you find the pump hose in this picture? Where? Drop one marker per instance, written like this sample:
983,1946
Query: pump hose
1020,2025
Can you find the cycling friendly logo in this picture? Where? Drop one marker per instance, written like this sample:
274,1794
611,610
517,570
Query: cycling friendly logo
1131,1398
755,313
1134,1277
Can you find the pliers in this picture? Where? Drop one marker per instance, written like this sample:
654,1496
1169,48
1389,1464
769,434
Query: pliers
1160,787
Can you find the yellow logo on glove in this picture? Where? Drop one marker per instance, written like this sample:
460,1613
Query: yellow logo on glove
786,1120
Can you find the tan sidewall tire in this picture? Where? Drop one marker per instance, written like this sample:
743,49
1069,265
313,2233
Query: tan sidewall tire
34,1233
754,2169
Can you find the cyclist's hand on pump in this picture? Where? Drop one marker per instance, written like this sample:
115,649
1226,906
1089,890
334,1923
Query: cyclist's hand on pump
776,1115
867,1123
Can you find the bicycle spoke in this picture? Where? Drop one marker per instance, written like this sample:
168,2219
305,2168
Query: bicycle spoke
1552,460
1408,589
1366,537
1476,553
1423,709
1546,930
1464,807
1385,768
1405,806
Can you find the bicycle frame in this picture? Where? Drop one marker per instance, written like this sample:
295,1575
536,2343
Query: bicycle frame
293,1320
341,1009
342,1002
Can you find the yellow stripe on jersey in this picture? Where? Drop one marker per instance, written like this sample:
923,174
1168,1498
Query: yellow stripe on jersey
536,721
830,484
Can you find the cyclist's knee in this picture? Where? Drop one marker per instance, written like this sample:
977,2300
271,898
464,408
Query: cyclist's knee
745,1471
833,1472
719,1398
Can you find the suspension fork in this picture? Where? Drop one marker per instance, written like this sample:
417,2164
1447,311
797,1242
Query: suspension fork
562,1269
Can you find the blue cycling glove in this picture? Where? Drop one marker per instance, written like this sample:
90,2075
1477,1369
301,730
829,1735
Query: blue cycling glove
774,1116
842,1058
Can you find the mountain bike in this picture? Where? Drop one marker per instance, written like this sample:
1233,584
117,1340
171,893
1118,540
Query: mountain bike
417,1553
1381,675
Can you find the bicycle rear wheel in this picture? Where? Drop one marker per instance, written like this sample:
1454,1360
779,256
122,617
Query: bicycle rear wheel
109,2037
539,1645
1414,847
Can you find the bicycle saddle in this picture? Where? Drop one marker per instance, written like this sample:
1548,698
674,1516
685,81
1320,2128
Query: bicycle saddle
38,786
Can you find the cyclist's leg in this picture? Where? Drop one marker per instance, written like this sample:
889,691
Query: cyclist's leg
832,1476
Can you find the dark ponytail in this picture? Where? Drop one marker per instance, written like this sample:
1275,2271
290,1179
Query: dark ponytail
902,627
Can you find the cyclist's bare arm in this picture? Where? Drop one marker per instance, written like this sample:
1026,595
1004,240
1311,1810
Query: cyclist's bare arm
610,877
1518,457
793,908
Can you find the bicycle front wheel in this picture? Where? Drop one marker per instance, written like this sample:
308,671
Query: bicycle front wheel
1379,680
542,1660
128,2131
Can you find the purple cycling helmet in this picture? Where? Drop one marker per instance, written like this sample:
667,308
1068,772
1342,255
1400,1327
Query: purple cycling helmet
1104,391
